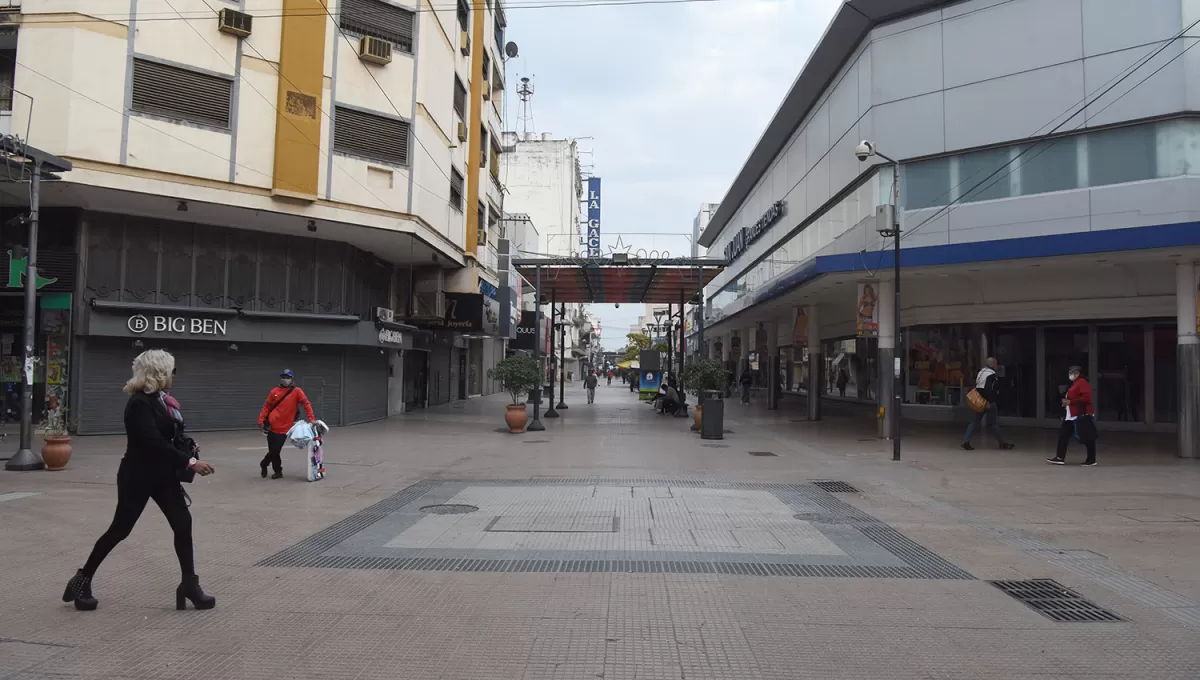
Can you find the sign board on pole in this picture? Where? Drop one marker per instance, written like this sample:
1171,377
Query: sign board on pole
593,217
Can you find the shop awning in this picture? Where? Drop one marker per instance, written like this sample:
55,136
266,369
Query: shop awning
618,279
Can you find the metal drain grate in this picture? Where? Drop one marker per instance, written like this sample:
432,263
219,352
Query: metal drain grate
1056,601
449,509
715,446
761,454
833,486
538,441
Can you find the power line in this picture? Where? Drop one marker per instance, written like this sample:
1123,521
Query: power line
540,4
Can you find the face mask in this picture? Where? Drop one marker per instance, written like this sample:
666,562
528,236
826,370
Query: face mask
1071,377
285,382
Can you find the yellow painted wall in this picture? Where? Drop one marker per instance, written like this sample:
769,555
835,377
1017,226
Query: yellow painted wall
478,19
301,89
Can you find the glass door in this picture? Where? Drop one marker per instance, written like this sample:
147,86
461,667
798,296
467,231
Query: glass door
1016,354
1065,347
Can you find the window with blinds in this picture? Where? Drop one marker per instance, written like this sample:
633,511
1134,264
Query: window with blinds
495,159
378,19
369,136
464,14
456,190
483,146
481,230
181,94
460,98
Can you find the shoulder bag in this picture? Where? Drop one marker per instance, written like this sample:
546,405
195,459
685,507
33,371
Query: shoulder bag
267,420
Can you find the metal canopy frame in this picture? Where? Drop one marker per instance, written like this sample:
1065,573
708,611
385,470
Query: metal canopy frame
622,279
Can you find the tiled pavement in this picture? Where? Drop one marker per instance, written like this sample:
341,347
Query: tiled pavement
602,547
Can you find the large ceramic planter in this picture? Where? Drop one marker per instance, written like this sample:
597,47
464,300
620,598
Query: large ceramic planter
516,417
696,418
56,452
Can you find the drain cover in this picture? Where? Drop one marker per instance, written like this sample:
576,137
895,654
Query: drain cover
449,509
833,486
538,441
760,453
1056,601
715,446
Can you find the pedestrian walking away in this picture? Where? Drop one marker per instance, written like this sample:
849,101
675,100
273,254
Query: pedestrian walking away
158,457
590,384
278,415
746,381
1078,420
987,384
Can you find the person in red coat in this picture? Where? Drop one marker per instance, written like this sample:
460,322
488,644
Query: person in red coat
1078,417
277,417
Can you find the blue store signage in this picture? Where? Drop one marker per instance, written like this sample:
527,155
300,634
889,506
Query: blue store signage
593,217
747,235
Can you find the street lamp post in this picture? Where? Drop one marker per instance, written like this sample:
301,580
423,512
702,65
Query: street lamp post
562,361
536,425
863,151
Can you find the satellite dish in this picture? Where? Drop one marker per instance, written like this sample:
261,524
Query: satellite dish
510,49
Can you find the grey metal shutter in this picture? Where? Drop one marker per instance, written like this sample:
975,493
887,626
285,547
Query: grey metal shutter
380,20
366,385
218,389
173,92
370,136
460,98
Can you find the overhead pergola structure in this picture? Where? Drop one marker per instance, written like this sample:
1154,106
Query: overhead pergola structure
621,279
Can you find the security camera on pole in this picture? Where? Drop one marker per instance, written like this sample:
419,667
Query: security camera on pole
890,228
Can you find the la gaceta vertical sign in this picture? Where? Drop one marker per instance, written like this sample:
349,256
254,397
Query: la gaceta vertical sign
593,217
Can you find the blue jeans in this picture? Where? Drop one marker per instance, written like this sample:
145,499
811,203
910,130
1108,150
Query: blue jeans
745,393
992,413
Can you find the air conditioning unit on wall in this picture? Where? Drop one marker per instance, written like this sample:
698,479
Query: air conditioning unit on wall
234,22
464,43
462,131
374,50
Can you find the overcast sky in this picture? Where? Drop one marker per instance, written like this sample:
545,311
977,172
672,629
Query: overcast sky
673,96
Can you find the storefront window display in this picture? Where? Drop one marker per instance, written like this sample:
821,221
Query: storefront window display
1121,375
852,368
942,363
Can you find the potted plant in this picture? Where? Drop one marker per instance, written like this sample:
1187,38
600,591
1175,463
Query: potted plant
517,375
56,449
702,375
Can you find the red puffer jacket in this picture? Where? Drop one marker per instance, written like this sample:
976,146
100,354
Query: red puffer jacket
1080,398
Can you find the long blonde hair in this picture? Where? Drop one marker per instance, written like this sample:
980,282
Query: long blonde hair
152,371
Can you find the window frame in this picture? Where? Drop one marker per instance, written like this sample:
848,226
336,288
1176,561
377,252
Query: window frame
460,190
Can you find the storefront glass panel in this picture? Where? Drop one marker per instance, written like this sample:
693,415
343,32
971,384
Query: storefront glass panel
1121,377
1166,368
942,363
1016,353
852,367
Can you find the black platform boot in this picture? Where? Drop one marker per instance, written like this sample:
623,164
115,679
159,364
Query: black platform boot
190,590
79,589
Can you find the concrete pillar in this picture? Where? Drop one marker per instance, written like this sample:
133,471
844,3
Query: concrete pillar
885,310
771,365
816,363
749,344
1187,369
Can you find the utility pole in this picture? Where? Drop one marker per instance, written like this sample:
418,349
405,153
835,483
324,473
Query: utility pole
36,164
536,425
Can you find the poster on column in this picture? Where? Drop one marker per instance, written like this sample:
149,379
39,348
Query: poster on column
800,329
593,217
868,310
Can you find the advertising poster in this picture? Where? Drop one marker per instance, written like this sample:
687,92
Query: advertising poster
800,329
868,310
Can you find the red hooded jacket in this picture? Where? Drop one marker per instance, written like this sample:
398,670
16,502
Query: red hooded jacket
284,415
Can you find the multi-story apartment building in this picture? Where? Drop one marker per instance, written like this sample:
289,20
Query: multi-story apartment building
1049,192
287,184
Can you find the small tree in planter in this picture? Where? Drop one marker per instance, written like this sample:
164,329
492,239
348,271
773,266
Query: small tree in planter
703,375
517,375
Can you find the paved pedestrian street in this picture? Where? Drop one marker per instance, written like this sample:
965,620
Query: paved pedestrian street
619,545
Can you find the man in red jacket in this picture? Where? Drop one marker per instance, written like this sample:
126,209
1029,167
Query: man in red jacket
277,417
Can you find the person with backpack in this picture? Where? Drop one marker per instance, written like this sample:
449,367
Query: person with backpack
277,417
988,387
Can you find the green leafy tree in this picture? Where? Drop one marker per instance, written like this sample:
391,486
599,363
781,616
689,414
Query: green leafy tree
703,374
637,343
517,375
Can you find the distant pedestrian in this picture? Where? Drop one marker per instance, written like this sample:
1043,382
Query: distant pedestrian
589,383
987,384
746,382
158,457
843,379
1079,419
277,417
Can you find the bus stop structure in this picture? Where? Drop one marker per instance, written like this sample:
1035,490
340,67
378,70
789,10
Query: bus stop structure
621,278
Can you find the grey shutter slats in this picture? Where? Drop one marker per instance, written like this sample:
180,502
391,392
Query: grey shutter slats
173,92
366,385
370,136
456,189
460,98
378,20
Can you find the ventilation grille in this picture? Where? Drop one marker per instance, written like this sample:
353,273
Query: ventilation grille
760,454
456,190
834,486
1056,601
181,94
379,20
370,136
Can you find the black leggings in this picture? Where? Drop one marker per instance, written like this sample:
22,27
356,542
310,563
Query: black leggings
275,444
133,490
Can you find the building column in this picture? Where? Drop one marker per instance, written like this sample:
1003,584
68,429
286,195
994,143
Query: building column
887,354
1187,370
771,365
816,363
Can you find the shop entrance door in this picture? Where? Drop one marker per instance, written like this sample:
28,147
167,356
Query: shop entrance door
462,374
1065,347
1016,354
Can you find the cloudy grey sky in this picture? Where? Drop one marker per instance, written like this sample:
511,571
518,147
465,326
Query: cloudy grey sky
674,96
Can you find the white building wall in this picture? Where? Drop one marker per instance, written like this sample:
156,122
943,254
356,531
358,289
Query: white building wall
542,178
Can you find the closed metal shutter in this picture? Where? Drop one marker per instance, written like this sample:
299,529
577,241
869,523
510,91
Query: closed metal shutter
217,389
379,20
174,92
366,385
370,136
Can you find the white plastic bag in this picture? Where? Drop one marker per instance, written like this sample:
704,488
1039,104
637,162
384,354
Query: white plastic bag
301,434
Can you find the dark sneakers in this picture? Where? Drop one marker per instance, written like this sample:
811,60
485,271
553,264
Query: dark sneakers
1007,447
1056,461
277,475
967,446
1090,463
79,589
263,469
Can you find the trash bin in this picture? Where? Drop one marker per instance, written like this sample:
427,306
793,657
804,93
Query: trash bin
712,420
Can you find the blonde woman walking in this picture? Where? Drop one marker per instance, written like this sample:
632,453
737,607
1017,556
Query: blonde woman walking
157,458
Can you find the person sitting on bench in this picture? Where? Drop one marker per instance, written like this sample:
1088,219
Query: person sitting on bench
670,400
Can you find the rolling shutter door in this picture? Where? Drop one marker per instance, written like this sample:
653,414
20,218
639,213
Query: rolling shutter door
216,388
366,385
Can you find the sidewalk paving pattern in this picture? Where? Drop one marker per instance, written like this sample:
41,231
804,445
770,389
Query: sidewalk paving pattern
617,546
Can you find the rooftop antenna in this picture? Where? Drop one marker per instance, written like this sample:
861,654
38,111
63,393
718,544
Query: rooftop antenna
525,110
